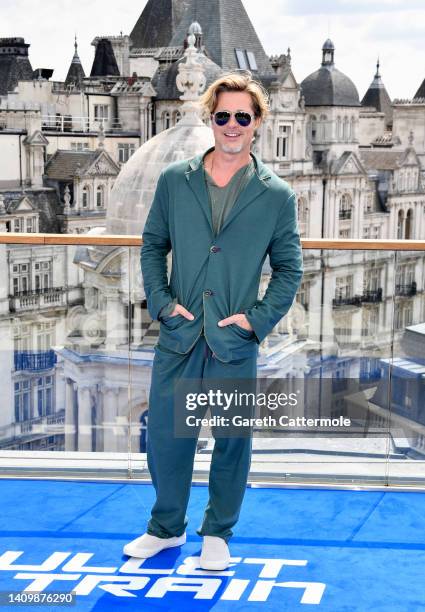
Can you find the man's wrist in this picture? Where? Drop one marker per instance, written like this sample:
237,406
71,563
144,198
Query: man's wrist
167,309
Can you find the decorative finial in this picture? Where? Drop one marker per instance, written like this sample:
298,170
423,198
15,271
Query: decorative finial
288,56
377,75
190,80
411,137
76,59
67,200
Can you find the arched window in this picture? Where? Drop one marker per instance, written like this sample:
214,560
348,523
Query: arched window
323,127
345,207
409,224
176,117
100,196
346,128
85,197
166,121
338,128
353,129
400,224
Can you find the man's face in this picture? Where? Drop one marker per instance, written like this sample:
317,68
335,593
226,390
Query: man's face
232,137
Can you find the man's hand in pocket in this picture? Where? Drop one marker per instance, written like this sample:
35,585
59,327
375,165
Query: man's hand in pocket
179,309
239,319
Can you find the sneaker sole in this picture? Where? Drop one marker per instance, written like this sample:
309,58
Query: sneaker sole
146,554
214,565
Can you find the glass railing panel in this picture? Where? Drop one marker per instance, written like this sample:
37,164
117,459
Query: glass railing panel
407,371
143,334
78,348
332,347
65,358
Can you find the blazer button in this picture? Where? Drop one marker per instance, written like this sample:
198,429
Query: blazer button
208,292
215,249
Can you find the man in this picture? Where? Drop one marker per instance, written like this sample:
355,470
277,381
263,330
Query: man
220,213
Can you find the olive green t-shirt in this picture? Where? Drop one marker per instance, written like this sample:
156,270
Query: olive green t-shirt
222,200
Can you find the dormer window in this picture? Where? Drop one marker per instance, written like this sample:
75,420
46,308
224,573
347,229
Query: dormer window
242,60
246,59
251,60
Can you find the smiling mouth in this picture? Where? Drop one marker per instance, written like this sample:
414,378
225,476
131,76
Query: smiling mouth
231,135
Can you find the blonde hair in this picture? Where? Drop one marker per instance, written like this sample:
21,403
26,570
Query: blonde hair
237,81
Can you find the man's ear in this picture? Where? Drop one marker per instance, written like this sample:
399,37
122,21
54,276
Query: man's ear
257,123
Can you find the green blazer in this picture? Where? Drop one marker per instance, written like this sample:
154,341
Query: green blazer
217,277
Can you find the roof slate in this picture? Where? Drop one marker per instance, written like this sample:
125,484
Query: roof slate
104,63
157,23
328,86
13,69
218,20
377,97
381,160
63,165
421,91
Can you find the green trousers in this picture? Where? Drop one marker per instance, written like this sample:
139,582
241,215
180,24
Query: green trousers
170,457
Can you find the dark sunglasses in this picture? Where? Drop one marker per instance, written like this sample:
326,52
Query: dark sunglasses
243,118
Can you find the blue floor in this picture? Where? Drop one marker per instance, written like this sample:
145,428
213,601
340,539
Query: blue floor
294,549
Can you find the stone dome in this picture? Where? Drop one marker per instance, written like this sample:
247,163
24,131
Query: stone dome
328,86
133,191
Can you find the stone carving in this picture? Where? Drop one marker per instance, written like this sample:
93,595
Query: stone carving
191,78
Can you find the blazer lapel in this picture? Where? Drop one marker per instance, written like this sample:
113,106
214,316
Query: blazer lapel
195,177
254,189
196,180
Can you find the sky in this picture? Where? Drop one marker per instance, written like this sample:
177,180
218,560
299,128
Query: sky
361,30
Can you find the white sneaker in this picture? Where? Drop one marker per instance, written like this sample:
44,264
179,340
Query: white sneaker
215,554
148,545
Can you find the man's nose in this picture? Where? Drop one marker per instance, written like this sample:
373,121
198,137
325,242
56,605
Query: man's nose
232,122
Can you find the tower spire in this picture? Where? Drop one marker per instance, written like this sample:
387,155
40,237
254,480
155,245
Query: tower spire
76,71
377,96
76,58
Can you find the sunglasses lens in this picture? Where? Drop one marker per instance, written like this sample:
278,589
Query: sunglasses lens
222,117
243,119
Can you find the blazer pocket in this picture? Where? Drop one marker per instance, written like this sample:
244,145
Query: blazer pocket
172,321
245,332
